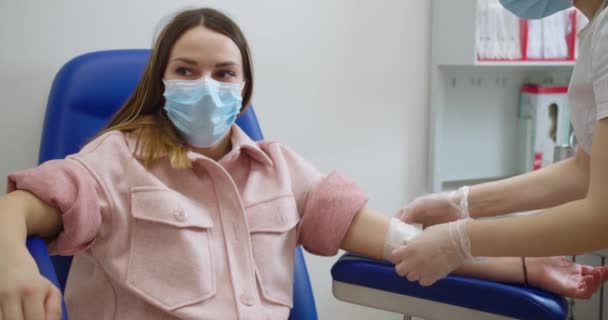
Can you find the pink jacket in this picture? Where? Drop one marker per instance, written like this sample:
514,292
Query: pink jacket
212,242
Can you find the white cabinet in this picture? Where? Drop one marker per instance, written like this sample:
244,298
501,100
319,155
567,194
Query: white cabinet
474,105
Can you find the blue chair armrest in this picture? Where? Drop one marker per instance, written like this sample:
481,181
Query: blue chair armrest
37,249
496,298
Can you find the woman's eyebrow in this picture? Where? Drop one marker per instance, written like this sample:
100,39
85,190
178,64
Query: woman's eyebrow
186,60
225,64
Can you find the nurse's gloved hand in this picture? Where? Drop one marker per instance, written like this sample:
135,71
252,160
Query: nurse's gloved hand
437,208
434,253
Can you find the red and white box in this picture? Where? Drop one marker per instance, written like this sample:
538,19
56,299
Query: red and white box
545,123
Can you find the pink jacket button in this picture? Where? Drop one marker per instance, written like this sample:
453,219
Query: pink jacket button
180,215
247,300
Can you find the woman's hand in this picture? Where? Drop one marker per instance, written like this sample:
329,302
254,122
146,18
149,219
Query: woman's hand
561,276
436,208
24,293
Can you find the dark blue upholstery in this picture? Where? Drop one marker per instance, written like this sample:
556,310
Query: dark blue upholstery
496,298
85,93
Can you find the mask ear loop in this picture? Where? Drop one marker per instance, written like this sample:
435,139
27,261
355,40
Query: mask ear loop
242,107
161,111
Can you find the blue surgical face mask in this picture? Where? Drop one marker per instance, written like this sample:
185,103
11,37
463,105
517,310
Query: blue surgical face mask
535,9
203,110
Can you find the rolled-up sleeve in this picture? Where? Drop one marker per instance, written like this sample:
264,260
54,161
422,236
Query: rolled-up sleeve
69,187
328,212
327,205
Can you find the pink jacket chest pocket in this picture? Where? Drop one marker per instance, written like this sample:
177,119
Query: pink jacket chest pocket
170,254
272,226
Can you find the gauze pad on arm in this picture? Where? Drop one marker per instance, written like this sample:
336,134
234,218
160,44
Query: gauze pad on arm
399,233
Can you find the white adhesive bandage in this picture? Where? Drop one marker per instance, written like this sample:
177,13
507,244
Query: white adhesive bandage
399,233
464,202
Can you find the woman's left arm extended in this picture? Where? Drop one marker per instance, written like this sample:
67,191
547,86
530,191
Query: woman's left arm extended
367,233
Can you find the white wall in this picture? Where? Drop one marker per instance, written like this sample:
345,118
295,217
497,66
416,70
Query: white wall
344,82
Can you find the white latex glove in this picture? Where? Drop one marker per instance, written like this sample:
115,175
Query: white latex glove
437,208
434,253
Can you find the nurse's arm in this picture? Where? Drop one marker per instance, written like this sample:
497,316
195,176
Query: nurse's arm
572,228
559,183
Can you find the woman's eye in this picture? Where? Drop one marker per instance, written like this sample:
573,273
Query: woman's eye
183,71
224,75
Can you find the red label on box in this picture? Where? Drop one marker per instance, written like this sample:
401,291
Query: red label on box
538,161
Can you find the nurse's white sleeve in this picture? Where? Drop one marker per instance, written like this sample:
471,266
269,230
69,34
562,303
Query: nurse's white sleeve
599,65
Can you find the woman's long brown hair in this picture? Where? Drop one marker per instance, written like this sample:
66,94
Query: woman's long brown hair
143,110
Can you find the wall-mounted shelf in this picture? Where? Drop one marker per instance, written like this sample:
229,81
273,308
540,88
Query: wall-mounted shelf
527,64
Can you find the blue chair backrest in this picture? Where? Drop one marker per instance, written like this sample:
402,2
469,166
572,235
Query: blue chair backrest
86,92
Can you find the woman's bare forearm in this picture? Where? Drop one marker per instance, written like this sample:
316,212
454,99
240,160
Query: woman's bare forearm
367,233
559,183
23,214
495,269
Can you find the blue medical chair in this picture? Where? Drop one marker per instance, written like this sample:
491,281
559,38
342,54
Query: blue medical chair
85,93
